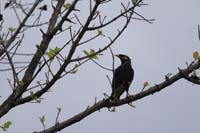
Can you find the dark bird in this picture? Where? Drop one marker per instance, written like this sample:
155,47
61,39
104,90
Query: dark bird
122,77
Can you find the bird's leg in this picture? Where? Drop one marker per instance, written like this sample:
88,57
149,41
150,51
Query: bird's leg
127,93
131,103
127,90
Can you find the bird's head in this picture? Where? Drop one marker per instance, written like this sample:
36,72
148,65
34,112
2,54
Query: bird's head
123,58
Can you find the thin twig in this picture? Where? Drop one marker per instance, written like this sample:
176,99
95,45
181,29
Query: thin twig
143,18
113,60
15,76
109,80
101,65
90,39
199,32
56,121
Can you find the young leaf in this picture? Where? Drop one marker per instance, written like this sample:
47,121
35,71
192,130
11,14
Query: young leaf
100,32
91,54
196,55
56,50
42,119
6,125
32,95
67,5
86,53
145,84
52,52
11,29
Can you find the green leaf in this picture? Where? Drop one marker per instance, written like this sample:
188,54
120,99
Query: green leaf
91,54
67,5
34,97
42,119
100,32
92,51
85,52
56,50
6,125
196,55
11,29
52,52
145,84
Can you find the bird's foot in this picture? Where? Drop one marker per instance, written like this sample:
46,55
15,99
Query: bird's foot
128,94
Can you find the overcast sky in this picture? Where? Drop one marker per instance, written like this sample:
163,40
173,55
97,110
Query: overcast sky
155,49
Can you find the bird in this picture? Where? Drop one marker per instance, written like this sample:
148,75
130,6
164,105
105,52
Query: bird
122,77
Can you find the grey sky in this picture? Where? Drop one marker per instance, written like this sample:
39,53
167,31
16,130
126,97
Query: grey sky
155,49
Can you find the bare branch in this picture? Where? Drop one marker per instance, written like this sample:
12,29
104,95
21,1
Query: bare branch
113,60
21,87
67,60
199,32
13,37
143,18
101,65
112,20
15,76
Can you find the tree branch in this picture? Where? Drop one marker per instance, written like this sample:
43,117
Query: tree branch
21,87
66,62
13,37
107,104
